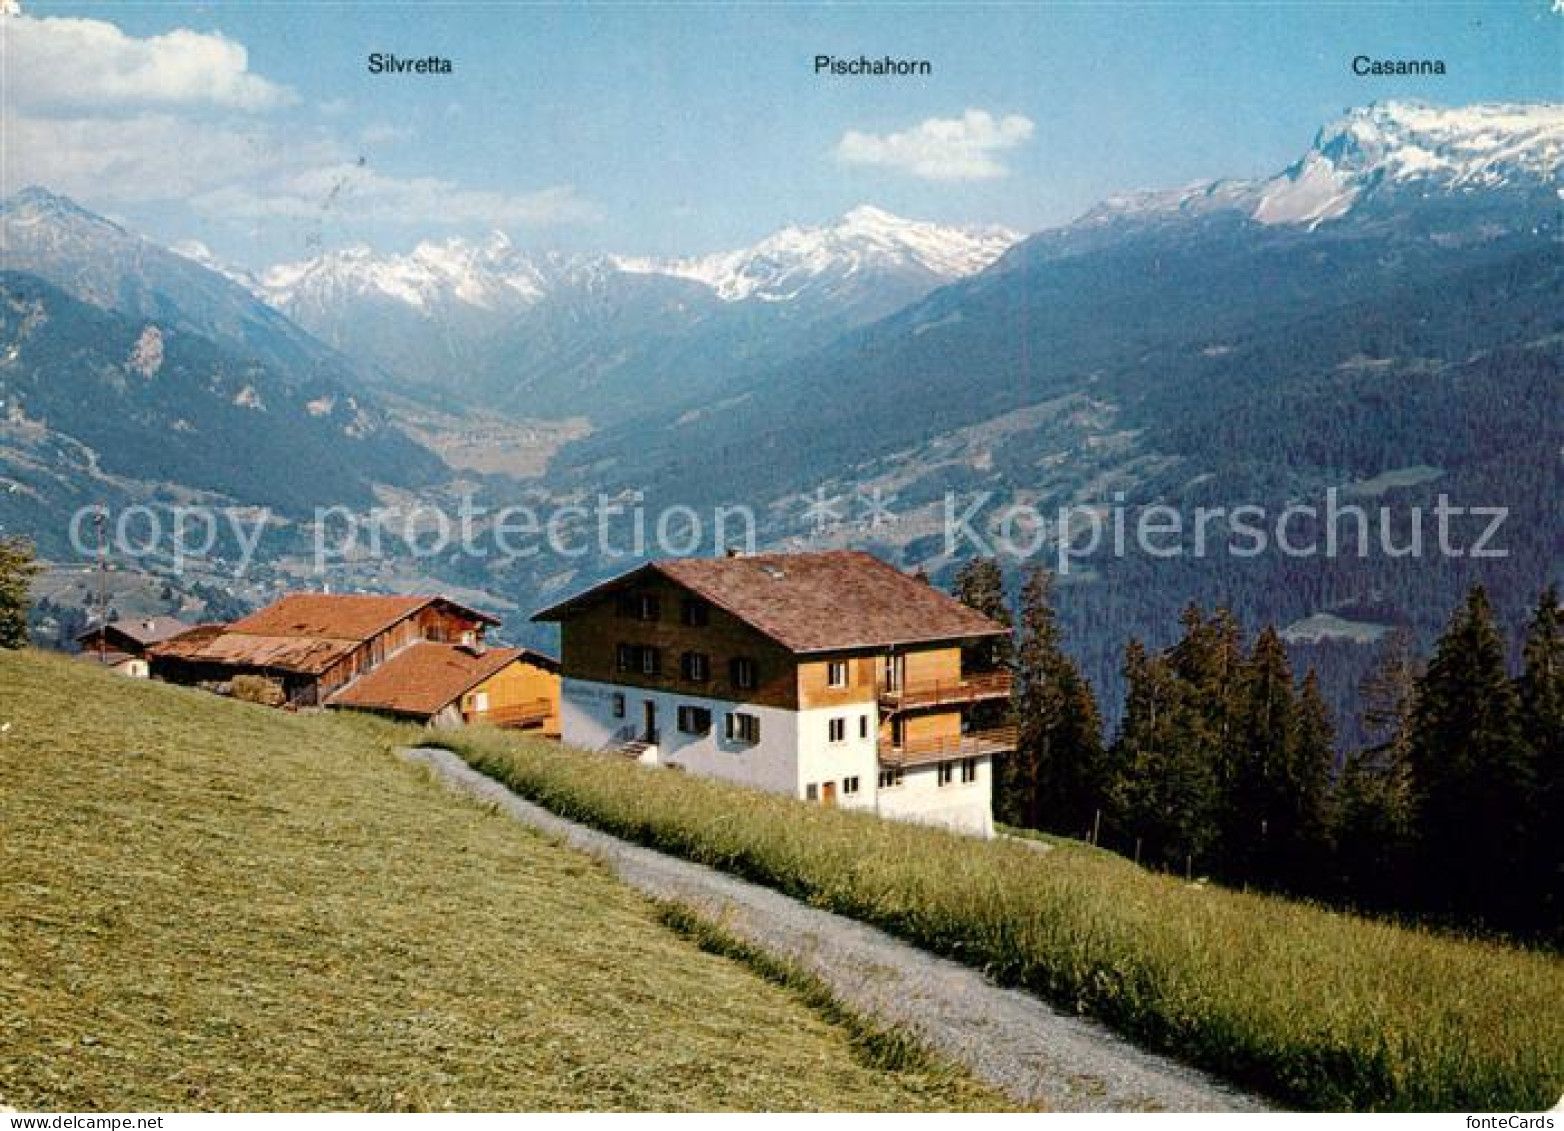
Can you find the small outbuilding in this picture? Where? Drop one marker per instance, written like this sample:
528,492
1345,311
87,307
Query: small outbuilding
445,684
122,645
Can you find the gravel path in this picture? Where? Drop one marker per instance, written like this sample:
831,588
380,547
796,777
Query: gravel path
1029,1050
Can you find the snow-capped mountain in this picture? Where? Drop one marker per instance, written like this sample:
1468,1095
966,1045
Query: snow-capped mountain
101,263
494,275
865,241
491,275
128,369
562,334
1379,151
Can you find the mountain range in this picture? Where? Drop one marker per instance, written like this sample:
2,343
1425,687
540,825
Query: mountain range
1382,317
550,335
128,372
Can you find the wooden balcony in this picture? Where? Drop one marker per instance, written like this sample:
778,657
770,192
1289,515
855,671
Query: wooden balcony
533,713
978,687
926,751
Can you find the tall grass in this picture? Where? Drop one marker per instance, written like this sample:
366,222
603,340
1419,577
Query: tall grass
1312,1007
212,905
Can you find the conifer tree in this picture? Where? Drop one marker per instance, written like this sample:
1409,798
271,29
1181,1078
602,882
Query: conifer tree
1060,778
980,584
1470,773
18,566
1371,800
1257,780
1541,689
1306,850
1165,795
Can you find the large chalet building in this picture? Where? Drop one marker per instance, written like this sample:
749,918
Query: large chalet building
830,677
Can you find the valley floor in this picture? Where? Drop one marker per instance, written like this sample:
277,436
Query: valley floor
210,905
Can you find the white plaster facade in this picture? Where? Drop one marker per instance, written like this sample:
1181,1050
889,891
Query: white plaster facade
795,754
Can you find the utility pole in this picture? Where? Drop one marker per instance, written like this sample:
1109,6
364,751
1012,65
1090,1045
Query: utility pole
103,583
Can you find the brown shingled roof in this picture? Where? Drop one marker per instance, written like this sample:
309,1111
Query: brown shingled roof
301,632
335,616
307,655
822,602
423,678
142,630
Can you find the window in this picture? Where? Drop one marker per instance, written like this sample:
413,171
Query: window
619,705
636,606
863,726
638,658
836,673
836,730
694,720
694,611
695,667
947,772
969,769
890,675
890,779
480,701
811,792
743,728
742,674
849,786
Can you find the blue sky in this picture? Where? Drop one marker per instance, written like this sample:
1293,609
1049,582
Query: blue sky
688,129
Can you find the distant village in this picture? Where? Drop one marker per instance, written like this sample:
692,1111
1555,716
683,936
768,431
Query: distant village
830,677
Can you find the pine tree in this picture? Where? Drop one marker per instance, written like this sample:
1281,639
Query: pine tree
1371,799
1386,695
1371,830
1165,793
17,569
1256,781
1059,779
1470,773
980,584
1541,691
1305,851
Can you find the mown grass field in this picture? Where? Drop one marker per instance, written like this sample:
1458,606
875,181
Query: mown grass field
1315,1008
211,905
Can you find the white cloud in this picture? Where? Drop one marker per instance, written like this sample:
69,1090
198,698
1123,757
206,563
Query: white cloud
120,122
356,191
81,62
383,133
251,170
941,149
151,156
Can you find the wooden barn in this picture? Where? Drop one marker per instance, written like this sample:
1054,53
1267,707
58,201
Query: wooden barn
314,644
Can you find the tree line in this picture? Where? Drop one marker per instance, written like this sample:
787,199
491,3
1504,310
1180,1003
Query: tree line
1225,762
18,566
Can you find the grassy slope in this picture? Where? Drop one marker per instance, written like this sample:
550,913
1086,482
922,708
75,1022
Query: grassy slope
212,905
1317,1008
